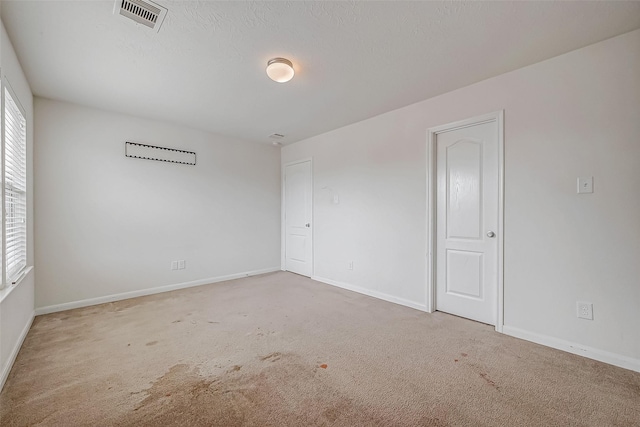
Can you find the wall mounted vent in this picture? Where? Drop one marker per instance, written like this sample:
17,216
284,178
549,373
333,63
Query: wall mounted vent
143,12
160,154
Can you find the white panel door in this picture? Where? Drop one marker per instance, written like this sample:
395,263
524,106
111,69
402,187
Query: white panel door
298,205
467,221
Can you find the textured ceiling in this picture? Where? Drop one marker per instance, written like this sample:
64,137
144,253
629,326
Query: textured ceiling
353,60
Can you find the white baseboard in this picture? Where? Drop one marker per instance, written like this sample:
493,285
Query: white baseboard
575,348
14,353
149,291
375,294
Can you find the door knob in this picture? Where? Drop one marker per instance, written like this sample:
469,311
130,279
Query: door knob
307,225
491,234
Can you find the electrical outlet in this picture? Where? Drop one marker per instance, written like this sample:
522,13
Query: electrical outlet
350,265
174,265
181,264
585,310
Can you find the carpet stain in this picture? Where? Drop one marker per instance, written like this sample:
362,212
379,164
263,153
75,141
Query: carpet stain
182,394
323,366
334,412
272,357
150,343
177,321
488,380
464,354
283,394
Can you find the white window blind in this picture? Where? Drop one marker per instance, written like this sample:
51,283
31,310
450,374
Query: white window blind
15,186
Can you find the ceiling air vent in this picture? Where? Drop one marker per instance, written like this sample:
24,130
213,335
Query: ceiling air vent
276,137
143,12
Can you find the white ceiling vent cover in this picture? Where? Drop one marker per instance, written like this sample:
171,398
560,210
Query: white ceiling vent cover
143,12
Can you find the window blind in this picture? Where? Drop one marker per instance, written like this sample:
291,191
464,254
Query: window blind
15,186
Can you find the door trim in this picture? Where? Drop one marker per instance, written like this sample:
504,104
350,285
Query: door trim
498,117
283,225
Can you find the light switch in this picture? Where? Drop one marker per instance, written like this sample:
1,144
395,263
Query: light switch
585,184
336,199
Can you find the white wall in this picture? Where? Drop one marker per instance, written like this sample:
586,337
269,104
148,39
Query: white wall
574,115
17,302
108,225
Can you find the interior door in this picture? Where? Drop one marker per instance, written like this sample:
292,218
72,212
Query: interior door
467,221
298,209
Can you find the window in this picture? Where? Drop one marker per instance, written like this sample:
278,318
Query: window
15,189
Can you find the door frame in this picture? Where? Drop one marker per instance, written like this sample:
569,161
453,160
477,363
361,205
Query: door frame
283,211
432,180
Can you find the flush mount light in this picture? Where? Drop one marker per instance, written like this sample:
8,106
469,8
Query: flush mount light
280,70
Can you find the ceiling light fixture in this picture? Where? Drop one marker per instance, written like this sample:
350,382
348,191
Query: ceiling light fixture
280,70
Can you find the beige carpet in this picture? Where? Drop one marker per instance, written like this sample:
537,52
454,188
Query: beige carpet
283,350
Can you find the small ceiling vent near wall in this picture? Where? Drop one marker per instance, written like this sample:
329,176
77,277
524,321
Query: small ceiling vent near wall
143,12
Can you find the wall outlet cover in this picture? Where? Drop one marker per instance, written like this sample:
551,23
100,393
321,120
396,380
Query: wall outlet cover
585,310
